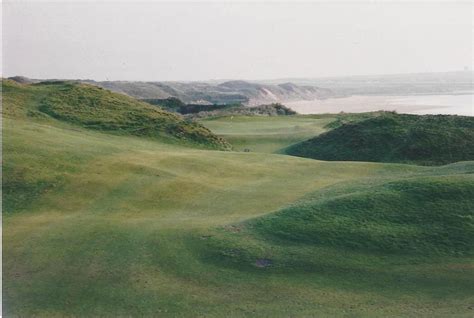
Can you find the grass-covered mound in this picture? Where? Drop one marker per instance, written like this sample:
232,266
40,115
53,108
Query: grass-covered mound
275,109
423,216
391,137
96,108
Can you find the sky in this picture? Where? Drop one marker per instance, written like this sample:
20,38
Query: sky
233,40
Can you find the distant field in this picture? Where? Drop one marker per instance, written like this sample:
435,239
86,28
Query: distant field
97,223
267,134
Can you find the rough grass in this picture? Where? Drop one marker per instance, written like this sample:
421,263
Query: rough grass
390,137
95,108
100,224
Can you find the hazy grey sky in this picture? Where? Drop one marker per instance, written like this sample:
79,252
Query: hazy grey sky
199,41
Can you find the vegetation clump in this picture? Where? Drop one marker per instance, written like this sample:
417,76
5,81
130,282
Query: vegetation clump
275,109
170,103
174,104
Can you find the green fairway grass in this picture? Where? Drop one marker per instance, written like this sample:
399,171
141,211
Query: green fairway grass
106,223
267,134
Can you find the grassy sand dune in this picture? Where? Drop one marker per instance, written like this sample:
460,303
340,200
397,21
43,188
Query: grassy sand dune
92,107
391,137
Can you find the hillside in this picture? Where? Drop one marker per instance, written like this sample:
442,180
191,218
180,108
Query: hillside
420,215
390,137
95,108
231,92
423,214
266,93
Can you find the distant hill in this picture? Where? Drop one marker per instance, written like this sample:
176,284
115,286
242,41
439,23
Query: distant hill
92,107
390,137
230,92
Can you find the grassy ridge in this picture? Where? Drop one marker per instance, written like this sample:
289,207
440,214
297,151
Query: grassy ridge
426,140
95,108
419,215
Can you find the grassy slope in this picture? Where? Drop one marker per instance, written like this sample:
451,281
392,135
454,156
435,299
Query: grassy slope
406,239
266,134
121,225
420,215
427,140
95,108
